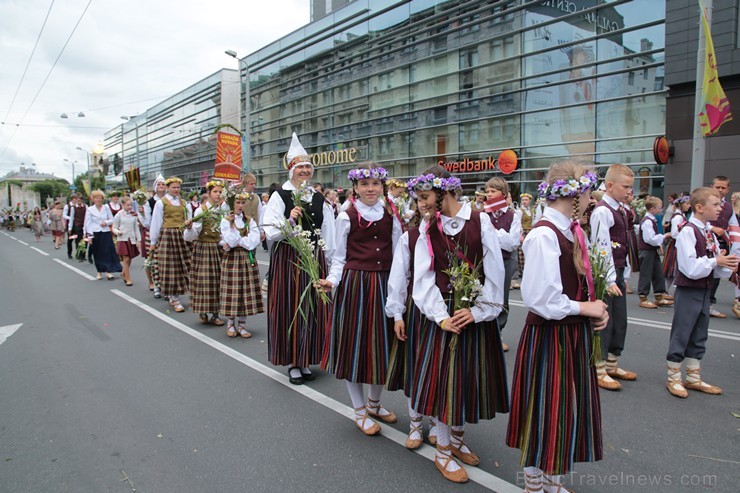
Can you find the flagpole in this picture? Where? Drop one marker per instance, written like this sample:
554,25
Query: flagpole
699,143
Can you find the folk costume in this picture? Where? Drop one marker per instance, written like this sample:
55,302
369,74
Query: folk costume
128,236
146,244
297,334
361,332
241,295
173,253
651,270
669,259
508,226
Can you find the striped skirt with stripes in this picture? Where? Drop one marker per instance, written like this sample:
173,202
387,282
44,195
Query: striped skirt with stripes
205,277
241,292
633,254
403,353
173,260
669,260
297,325
555,408
361,333
462,383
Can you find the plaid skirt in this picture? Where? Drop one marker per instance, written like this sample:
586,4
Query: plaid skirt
241,290
205,277
173,262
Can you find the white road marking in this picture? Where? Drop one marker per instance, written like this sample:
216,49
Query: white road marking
8,331
40,251
481,477
74,269
262,262
22,242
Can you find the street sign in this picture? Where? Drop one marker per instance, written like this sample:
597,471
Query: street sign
72,187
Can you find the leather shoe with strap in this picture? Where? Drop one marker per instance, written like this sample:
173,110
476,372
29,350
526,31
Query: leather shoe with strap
605,382
700,385
415,438
676,388
374,409
360,422
716,313
468,457
442,460
646,303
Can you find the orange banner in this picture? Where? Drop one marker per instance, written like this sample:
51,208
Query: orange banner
228,156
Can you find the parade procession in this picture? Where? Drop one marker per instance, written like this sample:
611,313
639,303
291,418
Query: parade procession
423,245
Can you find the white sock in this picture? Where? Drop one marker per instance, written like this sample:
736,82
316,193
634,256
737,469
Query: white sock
443,440
458,441
552,483
373,396
693,374
433,427
306,371
175,299
412,412
674,371
356,394
533,478
295,372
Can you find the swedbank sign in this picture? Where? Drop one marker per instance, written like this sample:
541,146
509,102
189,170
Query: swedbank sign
339,156
469,165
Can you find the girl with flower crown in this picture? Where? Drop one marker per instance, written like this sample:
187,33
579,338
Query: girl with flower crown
170,216
459,373
361,334
241,294
555,409
205,274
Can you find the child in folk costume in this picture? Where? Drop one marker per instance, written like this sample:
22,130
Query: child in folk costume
146,210
508,226
296,341
398,200
681,207
366,234
700,261
115,204
633,259
401,307
526,216
170,216
609,228
205,273
241,295
459,373
649,243
126,228
555,408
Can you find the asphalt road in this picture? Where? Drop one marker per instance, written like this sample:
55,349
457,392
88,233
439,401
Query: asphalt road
104,389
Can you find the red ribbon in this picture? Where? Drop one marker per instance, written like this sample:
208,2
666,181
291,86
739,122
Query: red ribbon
575,228
394,209
450,244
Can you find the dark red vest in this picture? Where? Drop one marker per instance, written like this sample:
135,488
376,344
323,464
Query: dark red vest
79,216
617,233
369,245
114,211
568,276
503,222
723,220
469,242
701,251
640,241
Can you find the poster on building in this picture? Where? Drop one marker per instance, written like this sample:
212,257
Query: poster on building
228,156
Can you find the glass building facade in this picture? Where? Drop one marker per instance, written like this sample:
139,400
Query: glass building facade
414,83
175,137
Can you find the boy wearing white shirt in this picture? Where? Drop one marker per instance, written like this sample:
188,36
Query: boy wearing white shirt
699,261
649,243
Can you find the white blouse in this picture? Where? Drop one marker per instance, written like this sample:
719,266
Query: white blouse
275,215
97,220
601,221
542,286
427,295
688,263
649,235
126,227
231,236
155,228
368,213
398,280
510,240
676,221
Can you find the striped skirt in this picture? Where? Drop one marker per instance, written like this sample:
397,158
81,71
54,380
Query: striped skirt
295,338
205,277
241,292
669,260
633,254
173,261
463,383
403,353
361,333
555,408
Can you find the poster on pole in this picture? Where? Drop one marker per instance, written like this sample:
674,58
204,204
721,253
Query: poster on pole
228,156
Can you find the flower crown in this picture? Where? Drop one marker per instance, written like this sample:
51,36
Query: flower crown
172,179
364,174
569,187
395,183
682,199
427,182
521,195
241,196
215,183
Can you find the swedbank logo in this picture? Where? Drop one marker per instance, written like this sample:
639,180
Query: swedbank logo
468,165
340,156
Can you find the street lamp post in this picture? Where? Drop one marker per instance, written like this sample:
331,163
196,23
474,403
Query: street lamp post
73,169
246,150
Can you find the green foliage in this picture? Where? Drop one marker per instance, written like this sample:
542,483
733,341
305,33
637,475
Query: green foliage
50,188
98,182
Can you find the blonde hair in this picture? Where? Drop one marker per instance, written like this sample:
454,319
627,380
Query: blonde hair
735,199
97,193
700,195
597,195
563,171
125,199
498,183
652,202
616,170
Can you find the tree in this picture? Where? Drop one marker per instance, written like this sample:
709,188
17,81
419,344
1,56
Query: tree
98,182
50,188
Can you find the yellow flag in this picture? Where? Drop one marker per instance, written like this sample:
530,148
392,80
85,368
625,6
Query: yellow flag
86,186
715,106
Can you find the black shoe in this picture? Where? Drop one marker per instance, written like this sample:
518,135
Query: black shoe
81,260
90,260
294,380
308,377
69,256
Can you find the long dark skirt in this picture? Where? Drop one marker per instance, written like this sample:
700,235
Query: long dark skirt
361,332
555,408
104,252
463,381
403,353
295,338
669,260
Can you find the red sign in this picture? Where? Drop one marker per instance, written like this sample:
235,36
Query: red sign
507,161
228,156
661,150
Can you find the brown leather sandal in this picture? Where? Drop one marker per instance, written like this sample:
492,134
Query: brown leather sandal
442,460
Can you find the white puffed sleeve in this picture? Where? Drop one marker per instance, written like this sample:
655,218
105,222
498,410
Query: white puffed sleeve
229,235
398,280
252,239
493,268
339,259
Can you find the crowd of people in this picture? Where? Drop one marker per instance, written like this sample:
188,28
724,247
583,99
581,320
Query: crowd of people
404,286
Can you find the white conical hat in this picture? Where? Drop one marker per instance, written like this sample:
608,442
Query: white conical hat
296,154
157,180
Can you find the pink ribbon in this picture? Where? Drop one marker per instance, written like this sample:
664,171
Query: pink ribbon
450,244
394,209
575,228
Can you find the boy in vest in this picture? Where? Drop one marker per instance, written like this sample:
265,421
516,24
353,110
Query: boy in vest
720,226
648,245
700,261
609,229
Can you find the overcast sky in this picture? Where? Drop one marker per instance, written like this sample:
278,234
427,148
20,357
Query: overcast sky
125,56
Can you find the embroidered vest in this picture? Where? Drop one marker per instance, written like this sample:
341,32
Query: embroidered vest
211,232
503,222
470,242
617,233
174,216
369,246
640,241
313,213
701,251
